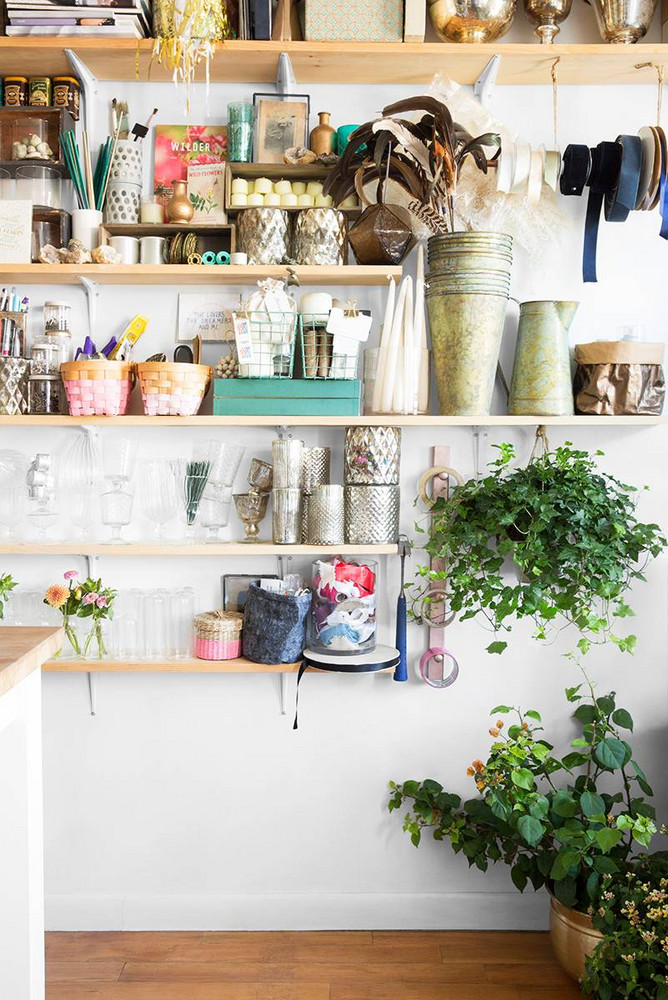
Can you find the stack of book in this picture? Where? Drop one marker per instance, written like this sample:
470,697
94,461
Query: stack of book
111,18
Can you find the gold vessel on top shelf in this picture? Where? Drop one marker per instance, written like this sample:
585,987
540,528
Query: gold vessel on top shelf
471,20
547,15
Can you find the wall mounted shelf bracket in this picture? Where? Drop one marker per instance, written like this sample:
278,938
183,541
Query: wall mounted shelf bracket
483,88
285,75
89,87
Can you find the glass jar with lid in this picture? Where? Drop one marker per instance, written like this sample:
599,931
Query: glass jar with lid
45,394
62,341
44,358
57,317
30,139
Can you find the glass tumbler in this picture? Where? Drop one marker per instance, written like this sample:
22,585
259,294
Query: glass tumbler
181,615
343,614
156,624
240,116
39,184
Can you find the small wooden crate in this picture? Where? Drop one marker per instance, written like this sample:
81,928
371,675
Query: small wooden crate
209,237
286,397
57,120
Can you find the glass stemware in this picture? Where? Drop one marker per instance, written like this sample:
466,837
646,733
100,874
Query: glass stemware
214,509
117,509
82,507
10,510
160,492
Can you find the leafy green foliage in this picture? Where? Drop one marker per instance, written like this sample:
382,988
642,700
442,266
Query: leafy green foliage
563,821
571,533
632,913
7,584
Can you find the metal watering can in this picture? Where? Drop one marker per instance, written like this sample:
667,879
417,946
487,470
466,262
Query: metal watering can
541,383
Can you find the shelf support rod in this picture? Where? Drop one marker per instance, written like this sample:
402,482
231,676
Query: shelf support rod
477,433
92,290
285,75
283,692
89,87
92,692
483,88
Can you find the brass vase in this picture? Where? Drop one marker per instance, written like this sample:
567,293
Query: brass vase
471,20
573,938
179,208
547,15
624,21
322,136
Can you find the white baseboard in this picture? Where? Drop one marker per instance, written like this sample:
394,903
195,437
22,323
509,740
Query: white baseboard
301,911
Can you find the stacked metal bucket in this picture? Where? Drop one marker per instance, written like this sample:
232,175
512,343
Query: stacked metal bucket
467,293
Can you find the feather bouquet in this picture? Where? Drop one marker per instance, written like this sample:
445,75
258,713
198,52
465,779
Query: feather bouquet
421,160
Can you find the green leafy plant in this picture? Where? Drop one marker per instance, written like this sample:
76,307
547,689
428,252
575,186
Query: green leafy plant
7,584
562,821
570,532
632,913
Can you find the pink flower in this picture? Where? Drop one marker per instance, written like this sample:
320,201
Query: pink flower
102,601
89,598
70,575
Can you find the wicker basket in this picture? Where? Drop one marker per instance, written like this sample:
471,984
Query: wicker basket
172,388
101,388
218,635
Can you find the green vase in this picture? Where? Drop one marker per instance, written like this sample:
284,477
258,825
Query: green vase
541,383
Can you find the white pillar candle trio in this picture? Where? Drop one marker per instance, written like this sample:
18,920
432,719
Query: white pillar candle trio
282,193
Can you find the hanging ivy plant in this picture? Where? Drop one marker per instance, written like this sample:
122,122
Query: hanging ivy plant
568,531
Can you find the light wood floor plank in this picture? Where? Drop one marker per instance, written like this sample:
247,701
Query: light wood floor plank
529,974
70,971
293,937
193,991
423,991
85,946
340,972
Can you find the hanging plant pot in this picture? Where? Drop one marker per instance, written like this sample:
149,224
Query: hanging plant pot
383,234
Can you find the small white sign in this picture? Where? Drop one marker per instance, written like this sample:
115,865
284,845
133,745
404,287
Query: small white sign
242,333
207,316
354,327
15,232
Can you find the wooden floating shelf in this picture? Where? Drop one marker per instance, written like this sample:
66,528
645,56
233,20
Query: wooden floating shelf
343,62
141,549
193,274
370,420
192,666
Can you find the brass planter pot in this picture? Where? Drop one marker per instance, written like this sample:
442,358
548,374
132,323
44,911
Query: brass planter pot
573,938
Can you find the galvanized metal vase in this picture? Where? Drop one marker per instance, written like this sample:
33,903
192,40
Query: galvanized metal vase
467,295
541,383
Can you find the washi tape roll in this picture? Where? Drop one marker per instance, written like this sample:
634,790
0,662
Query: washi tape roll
208,257
223,257
535,181
522,168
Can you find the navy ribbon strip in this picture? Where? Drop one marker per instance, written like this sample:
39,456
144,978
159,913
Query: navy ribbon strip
339,668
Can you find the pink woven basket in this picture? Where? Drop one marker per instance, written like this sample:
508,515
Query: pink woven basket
97,388
218,635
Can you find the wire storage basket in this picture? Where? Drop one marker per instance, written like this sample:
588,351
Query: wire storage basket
269,338
324,355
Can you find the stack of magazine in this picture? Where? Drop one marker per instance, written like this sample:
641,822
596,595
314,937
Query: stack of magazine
110,18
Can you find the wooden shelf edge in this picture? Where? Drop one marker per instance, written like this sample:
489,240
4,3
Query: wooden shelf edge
138,550
191,666
368,420
195,274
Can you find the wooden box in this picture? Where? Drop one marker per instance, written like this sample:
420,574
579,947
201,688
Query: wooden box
208,237
286,397
55,120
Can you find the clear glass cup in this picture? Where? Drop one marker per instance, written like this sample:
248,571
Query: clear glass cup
117,504
160,492
156,624
127,626
82,508
181,616
225,459
11,509
214,509
39,184
119,457
240,118
43,513
6,185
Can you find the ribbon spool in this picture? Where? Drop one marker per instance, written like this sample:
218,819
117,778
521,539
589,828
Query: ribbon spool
438,655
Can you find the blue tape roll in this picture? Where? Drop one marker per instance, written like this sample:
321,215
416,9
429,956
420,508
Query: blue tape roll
223,257
209,257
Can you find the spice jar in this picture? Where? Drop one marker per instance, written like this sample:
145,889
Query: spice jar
16,91
45,394
62,341
44,359
57,317
67,94
39,91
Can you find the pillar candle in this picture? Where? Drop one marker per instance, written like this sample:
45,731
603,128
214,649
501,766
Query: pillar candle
314,188
239,200
239,185
272,199
263,186
255,200
298,187
305,200
288,201
282,187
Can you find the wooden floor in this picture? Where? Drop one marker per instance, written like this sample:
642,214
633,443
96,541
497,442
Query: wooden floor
323,965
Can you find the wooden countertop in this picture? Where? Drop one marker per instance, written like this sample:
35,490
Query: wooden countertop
23,650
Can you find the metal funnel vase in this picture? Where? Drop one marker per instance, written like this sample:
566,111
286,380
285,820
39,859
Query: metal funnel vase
541,383
467,296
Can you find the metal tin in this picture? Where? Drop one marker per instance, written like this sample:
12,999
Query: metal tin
372,456
372,514
264,234
287,455
326,521
14,385
39,91
16,91
320,237
315,468
287,516
67,94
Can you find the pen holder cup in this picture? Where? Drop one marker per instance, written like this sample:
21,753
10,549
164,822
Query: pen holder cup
14,385
172,388
97,388
274,626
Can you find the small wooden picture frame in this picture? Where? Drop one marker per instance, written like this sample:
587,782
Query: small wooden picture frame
281,122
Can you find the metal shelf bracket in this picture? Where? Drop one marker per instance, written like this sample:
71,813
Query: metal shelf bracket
92,290
285,75
483,88
92,692
88,85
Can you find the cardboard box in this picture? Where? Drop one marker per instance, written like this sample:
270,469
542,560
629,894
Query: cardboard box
355,21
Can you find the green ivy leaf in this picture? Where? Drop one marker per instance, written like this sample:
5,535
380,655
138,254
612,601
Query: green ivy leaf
566,859
532,714
501,710
519,878
607,838
572,693
497,647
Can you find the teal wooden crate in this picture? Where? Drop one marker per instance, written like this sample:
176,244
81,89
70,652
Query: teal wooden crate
268,397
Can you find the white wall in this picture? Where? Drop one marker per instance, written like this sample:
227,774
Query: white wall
188,802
